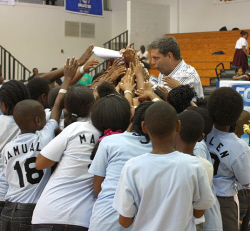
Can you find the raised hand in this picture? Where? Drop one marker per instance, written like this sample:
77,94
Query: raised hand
169,81
163,90
70,68
128,54
117,73
90,64
86,55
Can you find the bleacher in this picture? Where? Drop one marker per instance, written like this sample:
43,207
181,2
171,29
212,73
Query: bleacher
197,50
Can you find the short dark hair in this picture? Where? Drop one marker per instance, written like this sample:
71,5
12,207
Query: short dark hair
37,87
225,105
160,119
180,97
165,45
112,111
192,126
11,93
139,116
243,70
78,100
52,96
105,89
30,108
207,117
243,33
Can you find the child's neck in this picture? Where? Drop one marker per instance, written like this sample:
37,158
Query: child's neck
187,148
162,146
222,128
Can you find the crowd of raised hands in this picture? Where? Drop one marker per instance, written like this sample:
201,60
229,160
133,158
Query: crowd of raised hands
127,75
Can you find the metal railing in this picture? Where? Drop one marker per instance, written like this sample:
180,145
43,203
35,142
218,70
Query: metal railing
11,67
118,42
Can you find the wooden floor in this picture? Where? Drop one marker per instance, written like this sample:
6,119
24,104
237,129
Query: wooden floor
197,49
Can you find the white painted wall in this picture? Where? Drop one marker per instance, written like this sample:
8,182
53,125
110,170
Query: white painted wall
147,21
204,15
34,34
119,17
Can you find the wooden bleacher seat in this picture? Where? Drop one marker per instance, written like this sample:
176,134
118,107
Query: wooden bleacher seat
197,49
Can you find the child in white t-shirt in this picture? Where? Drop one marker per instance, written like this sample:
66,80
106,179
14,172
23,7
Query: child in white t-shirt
157,190
185,142
229,153
26,183
11,93
213,221
107,165
68,198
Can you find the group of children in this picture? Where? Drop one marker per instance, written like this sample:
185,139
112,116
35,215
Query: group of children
98,158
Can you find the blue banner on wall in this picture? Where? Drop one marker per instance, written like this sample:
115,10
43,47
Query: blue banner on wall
92,7
243,87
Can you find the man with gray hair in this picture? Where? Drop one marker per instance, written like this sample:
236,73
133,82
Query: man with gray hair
166,57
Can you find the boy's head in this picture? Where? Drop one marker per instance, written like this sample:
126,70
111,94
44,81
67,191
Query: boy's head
225,105
207,117
29,115
39,90
192,126
160,121
180,97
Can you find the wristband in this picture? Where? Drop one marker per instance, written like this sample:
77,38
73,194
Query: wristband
63,91
82,70
127,91
155,99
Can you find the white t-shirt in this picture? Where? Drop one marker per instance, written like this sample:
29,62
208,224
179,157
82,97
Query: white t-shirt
240,43
112,154
185,74
213,220
231,161
9,130
26,183
68,197
145,55
162,191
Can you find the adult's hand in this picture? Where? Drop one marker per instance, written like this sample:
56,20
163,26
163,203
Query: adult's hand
169,81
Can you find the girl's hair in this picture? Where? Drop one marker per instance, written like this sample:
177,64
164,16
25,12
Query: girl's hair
139,117
78,101
105,89
243,33
243,71
180,97
11,93
110,112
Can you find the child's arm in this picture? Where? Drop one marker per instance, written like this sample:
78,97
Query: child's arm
126,221
97,184
57,74
198,213
69,72
239,77
70,69
90,64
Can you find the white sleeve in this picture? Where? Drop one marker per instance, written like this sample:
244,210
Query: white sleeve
204,197
48,132
125,197
54,150
99,165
